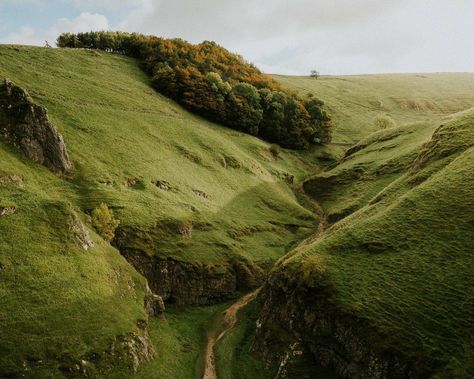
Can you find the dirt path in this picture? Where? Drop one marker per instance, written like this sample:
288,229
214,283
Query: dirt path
318,210
230,319
230,314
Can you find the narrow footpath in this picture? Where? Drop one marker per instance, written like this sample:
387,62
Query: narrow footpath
230,319
230,314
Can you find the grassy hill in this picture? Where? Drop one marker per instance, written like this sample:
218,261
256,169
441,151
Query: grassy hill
59,302
390,279
221,205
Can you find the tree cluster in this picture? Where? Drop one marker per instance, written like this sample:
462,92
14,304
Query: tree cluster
219,85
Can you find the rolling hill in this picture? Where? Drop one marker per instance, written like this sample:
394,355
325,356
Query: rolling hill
206,211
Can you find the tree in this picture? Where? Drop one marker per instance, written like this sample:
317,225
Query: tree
315,74
104,222
214,83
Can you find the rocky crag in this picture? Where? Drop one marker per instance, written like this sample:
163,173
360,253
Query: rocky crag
301,330
26,126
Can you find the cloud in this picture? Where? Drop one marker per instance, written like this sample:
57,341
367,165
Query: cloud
335,37
82,23
110,4
338,36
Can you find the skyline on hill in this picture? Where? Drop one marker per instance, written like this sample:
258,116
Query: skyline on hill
339,37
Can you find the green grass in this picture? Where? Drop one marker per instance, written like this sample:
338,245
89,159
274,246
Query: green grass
377,161
233,355
68,302
355,101
179,339
404,262
60,303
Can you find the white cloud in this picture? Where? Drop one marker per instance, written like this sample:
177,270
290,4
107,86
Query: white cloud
88,4
338,36
82,23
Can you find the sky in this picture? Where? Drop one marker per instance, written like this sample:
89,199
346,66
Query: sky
279,36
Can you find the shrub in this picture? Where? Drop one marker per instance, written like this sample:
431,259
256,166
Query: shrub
104,222
383,121
275,150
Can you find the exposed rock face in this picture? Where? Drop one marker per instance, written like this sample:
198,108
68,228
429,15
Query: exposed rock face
26,126
81,235
6,211
181,282
154,304
186,283
135,347
292,315
131,349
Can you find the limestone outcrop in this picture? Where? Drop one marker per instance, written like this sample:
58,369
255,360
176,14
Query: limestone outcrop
26,126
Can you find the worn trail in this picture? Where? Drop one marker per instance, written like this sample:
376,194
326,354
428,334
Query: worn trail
230,319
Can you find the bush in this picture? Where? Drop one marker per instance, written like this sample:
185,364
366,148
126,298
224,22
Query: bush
104,222
275,150
383,121
219,85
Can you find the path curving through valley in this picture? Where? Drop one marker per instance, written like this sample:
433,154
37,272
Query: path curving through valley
230,319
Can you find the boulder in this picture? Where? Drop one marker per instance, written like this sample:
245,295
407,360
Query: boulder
26,126
6,211
80,233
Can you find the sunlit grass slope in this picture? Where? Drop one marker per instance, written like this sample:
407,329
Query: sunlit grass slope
60,302
355,101
403,262
417,103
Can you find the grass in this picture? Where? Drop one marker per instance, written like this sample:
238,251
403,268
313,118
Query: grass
233,356
68,302
179,339
403,261
356,101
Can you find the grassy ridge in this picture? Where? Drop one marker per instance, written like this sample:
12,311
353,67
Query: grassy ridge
122,138
355,101
403,261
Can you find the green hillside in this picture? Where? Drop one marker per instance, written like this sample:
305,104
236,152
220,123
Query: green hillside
122,139
206,211
394,268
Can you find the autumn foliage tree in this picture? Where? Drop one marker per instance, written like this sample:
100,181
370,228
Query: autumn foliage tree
219,85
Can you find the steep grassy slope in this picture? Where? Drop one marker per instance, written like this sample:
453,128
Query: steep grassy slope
59,302
184,190
392,282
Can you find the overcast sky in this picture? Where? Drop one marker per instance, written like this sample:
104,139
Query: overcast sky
279,36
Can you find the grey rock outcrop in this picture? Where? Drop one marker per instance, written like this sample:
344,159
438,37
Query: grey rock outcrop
26,126
296,321
154,304
80,233
7,211
182,282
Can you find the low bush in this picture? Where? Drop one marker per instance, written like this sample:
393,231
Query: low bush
104,222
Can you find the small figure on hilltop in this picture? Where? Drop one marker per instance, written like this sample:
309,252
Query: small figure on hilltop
315,74
47,45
